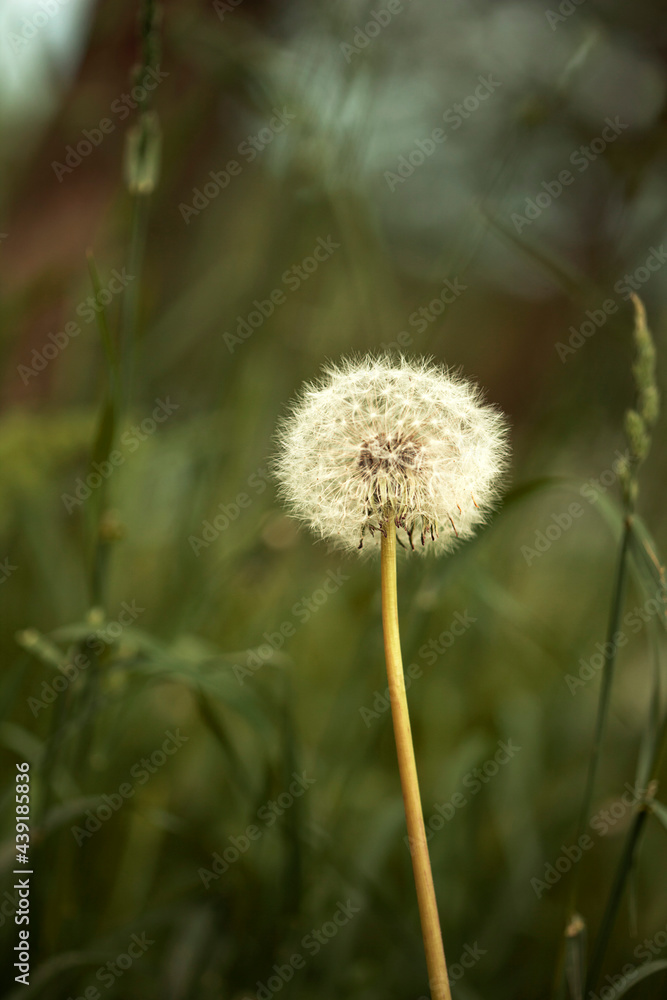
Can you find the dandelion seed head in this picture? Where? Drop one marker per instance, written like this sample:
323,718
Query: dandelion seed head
379,440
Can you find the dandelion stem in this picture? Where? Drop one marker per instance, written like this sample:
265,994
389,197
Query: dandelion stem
421,864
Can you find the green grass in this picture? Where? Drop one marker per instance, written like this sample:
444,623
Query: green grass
205,615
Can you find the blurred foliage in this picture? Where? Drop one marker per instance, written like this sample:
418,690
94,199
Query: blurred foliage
230,639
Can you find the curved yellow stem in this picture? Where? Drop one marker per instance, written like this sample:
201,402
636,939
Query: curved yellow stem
421,864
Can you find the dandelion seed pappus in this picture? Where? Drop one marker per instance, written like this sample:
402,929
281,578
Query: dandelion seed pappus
381,440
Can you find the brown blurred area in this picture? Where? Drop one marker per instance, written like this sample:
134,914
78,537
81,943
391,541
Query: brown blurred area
218,66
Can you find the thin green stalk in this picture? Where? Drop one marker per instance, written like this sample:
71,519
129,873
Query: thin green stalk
108,343
130,305
121,362
617,604
421,864
142,170
615,896
639,422
627,859
103,445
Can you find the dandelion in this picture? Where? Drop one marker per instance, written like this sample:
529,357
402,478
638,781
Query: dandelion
381,451
377,437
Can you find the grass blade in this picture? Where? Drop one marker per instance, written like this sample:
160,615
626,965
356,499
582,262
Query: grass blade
575,956
660,812
616,895
618,601
644,972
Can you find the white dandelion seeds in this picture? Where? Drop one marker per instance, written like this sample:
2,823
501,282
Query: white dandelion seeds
379,438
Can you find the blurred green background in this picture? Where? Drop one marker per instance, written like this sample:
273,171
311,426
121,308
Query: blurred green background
199,609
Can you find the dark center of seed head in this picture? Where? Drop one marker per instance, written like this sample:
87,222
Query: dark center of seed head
388,453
